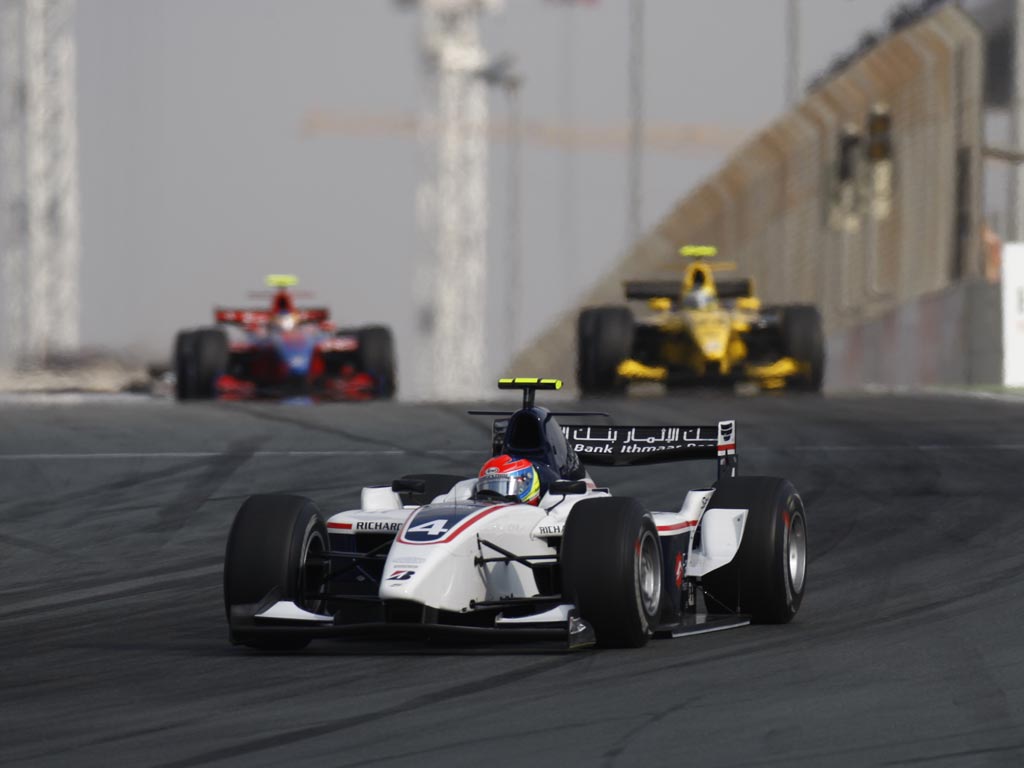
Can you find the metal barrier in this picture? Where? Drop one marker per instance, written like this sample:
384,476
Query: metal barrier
865,196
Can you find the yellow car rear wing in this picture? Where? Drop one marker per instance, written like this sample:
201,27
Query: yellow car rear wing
644,290
737,288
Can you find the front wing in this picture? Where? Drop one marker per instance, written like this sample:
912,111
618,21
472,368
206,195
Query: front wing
559,623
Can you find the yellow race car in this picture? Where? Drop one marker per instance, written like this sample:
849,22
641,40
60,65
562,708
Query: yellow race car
701,330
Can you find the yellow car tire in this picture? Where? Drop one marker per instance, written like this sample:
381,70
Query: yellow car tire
604,339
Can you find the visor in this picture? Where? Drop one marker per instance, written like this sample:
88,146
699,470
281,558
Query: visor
506,485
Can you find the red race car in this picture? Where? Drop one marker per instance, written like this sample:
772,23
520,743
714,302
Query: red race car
283,351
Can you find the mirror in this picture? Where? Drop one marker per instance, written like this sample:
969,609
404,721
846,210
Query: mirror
565,487
405,485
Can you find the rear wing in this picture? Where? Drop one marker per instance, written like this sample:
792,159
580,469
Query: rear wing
642,290
729,288
735,288
262,316
630,446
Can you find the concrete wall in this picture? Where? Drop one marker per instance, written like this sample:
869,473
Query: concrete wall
951,337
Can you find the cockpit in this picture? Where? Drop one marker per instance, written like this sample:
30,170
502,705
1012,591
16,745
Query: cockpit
533,433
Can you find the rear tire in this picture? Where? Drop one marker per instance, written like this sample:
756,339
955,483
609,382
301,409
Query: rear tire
768,576
604,337
803,338
272,542
612,569
377,357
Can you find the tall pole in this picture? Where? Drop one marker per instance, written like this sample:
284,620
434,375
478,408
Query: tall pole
513,237
634,224
567,193
1015,214
792,52
453,51
425,270
13,221
39,208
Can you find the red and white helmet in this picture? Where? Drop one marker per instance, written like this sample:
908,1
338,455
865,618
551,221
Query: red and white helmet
509,478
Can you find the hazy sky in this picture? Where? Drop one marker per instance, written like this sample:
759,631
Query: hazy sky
198,177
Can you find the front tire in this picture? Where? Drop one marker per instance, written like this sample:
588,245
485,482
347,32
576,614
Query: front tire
184,365
612,569
276,545
803,339
199,358
767,577
604,338
377,357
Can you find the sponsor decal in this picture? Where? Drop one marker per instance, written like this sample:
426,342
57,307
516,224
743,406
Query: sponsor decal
341,344
550,530
679,570
726,438
597,441
409,562
401,575
386,526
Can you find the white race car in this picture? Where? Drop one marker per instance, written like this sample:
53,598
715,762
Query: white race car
429,555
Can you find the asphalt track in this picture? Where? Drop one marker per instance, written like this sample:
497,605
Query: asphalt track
909,648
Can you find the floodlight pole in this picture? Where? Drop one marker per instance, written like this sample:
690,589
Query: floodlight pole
451,284
514,218
636,123
39,206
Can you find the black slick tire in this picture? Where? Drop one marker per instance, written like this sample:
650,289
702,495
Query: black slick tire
184,365
611,566
377,357
272,553
200,357
803,339
768,576
604,338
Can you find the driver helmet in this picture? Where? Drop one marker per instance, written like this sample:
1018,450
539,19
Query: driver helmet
509,478
700,295
284,321
699,298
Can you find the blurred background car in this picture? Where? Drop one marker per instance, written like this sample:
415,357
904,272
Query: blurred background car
283,351
700,330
